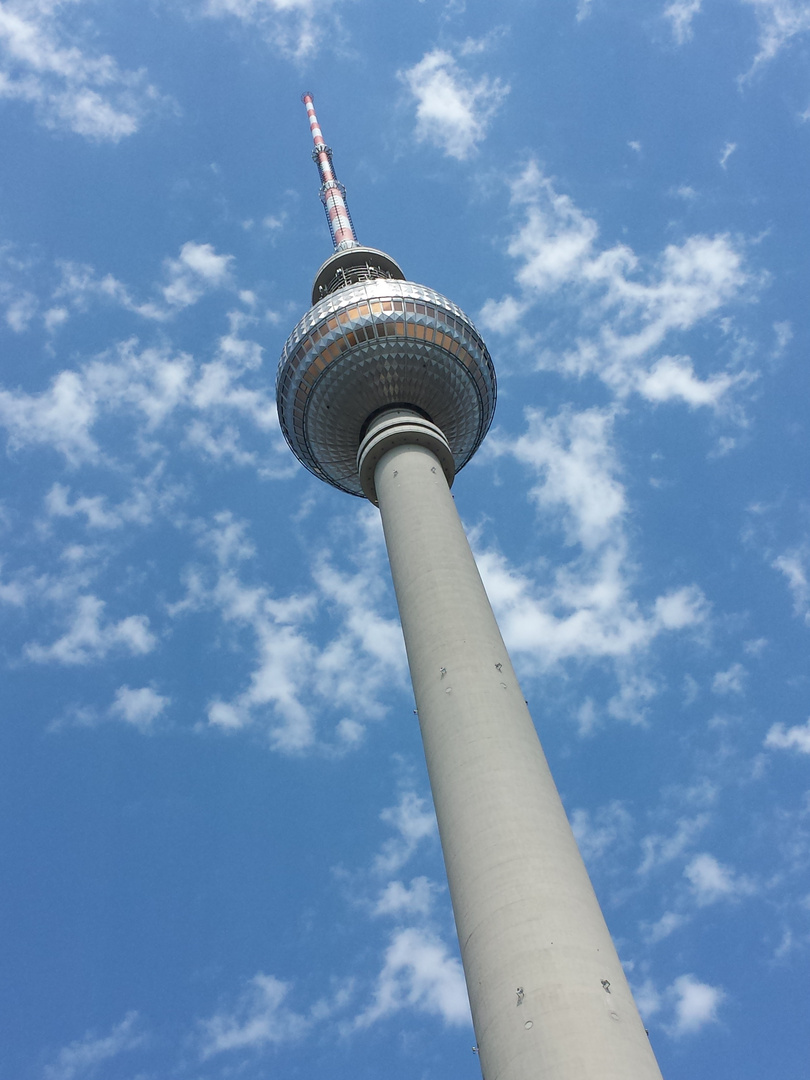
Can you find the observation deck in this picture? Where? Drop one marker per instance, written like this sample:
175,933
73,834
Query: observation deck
374,341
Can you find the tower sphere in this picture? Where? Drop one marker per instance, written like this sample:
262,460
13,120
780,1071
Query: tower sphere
374,341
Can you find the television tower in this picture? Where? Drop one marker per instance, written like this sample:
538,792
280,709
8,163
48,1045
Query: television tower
386,390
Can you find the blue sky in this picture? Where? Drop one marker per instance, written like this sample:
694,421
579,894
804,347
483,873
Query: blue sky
219,857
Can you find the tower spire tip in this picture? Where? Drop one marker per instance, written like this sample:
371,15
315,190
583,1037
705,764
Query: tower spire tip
333,193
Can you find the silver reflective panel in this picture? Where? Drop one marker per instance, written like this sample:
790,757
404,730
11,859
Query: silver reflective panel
378,343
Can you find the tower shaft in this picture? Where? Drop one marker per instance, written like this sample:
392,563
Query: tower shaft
548,995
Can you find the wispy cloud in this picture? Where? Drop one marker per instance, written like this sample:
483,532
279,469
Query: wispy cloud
780,21
414,821
627,308
71,86
695,1005
293,676
294,27
260,1018
197,270
138,707
661,929
599,833
584,609
793,738
399,900
659,849
680,14
151,387
731,681
83,1057
726,153
418,974
90,636
711,881
685,1007
453,109
795,565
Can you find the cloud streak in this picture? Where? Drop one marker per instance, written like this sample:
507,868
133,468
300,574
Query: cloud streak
628,309
71,87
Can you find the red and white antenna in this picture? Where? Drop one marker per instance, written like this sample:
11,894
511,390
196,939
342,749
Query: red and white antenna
333,193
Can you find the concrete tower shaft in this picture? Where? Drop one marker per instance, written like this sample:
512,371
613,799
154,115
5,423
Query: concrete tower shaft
548,995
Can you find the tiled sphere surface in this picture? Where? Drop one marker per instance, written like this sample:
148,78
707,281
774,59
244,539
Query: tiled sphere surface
381,342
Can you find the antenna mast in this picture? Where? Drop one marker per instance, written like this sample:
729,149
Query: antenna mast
333,193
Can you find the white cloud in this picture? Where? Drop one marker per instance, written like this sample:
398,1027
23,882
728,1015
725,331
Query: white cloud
20,311
61,417
150,386
350,732
711,881
71,87
726,153
669,922
197,270
657,850
691,1004
414,820
731,681
586,611
695,1005
680,14
793,738
285,659
80,284
635,692
597,834
54,318
681,608
365,633
295,27
140,708
780,21
293,679
583,608
685,192
795,565
418,974
151,383
399,899
259,1019
672,378
90,637
227,538
626,308
573,454
453,110
82,1058
648,999
98,514
12,592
